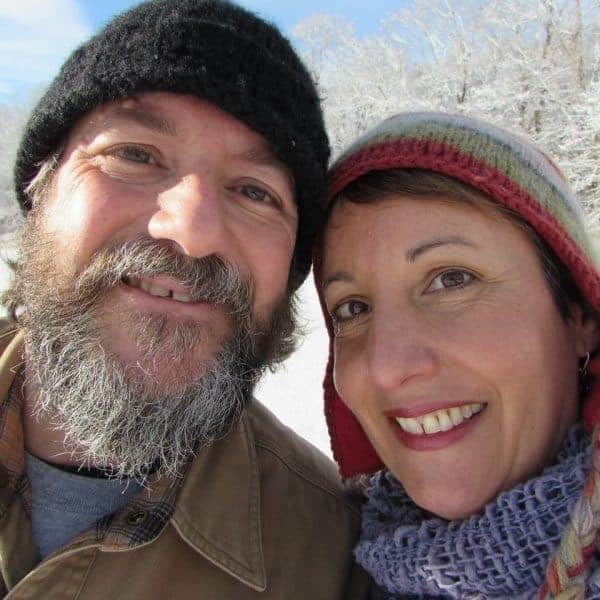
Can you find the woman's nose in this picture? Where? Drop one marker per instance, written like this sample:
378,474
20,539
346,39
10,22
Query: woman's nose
398,350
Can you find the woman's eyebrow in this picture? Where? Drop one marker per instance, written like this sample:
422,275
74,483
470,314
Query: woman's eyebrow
337,276
413,253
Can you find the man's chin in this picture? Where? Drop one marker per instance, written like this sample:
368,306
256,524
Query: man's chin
160,351
164,368
163,375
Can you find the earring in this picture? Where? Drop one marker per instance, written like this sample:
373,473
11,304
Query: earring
583,368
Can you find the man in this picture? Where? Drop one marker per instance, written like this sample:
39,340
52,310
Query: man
171,178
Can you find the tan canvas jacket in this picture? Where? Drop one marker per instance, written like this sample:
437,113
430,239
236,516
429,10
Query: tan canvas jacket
259,515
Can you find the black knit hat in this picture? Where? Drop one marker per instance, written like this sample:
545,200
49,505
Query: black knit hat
208,48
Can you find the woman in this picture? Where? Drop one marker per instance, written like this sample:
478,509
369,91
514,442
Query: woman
461,296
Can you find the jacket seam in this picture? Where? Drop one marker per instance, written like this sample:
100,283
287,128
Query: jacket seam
307,476
86,575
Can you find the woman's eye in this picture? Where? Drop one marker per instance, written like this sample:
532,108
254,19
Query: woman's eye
135,154
348,311
450,279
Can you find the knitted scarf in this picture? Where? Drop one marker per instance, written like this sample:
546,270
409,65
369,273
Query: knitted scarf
501,552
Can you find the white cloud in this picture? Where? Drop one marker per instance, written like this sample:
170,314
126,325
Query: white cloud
35,38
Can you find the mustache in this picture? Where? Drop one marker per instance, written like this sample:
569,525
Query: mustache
208,279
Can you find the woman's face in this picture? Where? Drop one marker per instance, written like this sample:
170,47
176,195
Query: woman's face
449,348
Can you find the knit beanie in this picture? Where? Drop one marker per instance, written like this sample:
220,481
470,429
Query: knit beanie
505,167
212,49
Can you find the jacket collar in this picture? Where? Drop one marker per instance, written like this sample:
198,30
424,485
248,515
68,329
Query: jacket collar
218,508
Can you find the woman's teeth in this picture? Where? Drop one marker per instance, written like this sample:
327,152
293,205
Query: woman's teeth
439,420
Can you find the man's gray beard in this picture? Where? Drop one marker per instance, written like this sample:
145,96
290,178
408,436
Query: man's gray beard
117,416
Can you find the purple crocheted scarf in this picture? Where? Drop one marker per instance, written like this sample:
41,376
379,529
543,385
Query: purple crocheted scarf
501,552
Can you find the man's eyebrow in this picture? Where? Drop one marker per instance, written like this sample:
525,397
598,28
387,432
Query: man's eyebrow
413,253
146,119
335,277
265,157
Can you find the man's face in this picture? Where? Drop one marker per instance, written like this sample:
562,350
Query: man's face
163,248
177,169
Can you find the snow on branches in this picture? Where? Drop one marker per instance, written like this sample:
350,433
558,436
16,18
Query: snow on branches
533,67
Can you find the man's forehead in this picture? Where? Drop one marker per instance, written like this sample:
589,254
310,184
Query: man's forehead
162,113
142,109
142,113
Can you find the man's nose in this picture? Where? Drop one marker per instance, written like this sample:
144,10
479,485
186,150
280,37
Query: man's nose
193,214
399,350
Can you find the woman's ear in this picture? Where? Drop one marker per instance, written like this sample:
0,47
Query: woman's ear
587,331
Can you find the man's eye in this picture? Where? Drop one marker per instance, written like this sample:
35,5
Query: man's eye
258,194
348,311
135,154
451,279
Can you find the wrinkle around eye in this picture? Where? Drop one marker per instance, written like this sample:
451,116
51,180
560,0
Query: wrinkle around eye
114,162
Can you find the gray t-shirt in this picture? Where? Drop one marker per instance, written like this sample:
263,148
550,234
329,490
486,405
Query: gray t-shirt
64,504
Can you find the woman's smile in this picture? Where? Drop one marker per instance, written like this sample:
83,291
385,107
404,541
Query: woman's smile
437,421
438,429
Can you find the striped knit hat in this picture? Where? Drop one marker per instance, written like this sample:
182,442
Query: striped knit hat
503,166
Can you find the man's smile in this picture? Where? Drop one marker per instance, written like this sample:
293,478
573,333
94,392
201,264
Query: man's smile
159,286
161,295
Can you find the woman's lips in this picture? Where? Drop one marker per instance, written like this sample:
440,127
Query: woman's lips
435,429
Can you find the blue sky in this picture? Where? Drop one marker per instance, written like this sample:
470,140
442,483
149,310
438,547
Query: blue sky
37,35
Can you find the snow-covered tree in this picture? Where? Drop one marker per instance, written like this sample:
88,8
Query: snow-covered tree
533,67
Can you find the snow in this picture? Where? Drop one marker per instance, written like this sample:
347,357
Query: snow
294,392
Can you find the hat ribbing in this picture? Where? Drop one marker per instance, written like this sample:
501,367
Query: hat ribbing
207,48
503,166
